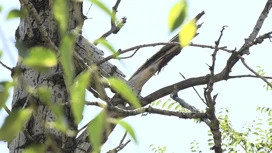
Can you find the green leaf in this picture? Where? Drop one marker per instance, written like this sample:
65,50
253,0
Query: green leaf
78,94
125,91
177,107
1,8
129,129
170,105
66,57
126,126
106,44
177,15
4,92
163,105
40,57
96,129
187,33
210,144
255,133
61,14
14,123
15,13
102,6
158,102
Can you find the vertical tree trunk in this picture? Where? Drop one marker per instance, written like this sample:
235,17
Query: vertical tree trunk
28,35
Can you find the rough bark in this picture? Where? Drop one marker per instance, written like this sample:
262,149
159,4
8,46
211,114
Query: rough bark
38,29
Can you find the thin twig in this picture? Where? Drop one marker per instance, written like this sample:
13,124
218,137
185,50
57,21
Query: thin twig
251,70
124,136
6,109
89,9
137,47
119,147
186,105
99,104
211,47
125,57
115,27
248,76
5,66
195,90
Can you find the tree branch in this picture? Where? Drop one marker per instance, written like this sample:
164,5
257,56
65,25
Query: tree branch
195,91
245,48
136,48
121,145
258,26
248,76
156,62
251,70
115,27
186,105
149,109
5,66
214,124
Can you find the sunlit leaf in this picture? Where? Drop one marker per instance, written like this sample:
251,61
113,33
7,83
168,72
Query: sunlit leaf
4,92
61,124
126,126
177,107
105,43
187,33
255,133
61,14
170,105
125,91
40,57
177,15
158,102
78,94
15,13
102,6
1,8
164,104
66,57
96,129
14,123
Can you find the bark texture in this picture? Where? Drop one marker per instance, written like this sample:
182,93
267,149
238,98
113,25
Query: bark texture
29,35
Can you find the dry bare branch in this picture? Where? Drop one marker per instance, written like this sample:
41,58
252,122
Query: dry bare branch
258,75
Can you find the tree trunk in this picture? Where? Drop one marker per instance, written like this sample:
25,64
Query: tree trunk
29,35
